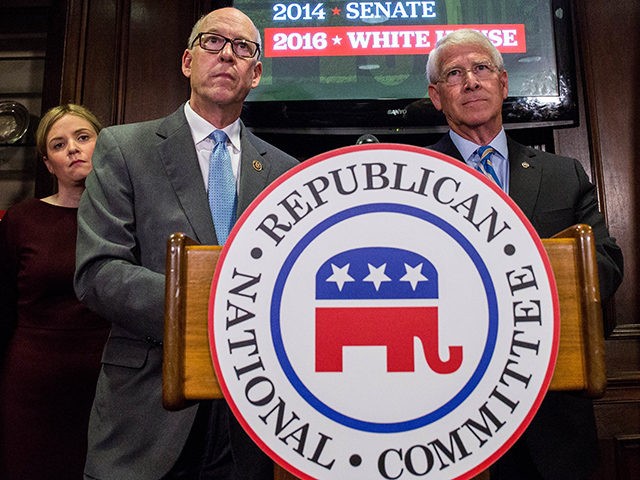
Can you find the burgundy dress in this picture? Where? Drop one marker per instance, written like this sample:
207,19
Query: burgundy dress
50,346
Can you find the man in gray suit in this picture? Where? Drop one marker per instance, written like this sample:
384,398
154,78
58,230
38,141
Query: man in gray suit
468,83
150,180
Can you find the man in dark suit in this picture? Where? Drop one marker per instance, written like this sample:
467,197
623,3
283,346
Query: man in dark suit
468,83
150,180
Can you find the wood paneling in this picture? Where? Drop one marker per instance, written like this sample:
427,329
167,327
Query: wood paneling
121,58
609,44
154,49
607,36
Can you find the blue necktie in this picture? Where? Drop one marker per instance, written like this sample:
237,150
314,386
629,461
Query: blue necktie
485,165
222,187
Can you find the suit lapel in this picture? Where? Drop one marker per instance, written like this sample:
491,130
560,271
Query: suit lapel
525,173
525,176
178,155
445,145
254,170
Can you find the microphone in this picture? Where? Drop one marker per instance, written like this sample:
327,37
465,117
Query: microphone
367,138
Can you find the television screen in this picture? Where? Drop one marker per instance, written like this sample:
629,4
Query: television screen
348,65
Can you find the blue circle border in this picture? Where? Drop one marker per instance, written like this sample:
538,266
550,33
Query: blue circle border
367,426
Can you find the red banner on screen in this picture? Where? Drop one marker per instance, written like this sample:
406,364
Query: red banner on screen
377,40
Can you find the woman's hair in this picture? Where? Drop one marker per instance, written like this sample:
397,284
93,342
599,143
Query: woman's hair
56,113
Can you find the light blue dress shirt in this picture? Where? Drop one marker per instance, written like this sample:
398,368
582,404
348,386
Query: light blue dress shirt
500,158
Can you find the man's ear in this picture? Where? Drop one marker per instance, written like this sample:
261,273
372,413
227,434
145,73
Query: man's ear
504,80
257,74
187,58
434,95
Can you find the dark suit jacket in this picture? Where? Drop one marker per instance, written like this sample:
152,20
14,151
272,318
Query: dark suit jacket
145,185
554,193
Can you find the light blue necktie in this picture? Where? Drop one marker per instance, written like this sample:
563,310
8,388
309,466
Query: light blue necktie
485,165
222,187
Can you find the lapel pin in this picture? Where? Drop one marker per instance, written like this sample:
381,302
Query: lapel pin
525,165
257,165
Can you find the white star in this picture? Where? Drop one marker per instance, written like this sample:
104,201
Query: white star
377,275
340,275
413,275
337,40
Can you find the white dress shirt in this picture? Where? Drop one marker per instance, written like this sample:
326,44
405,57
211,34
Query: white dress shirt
200,131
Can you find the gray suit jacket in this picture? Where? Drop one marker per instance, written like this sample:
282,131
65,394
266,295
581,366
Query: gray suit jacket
145,185
554,193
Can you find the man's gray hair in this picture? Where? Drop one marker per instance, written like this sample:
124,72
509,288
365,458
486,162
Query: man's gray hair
195,31
198,25
465,36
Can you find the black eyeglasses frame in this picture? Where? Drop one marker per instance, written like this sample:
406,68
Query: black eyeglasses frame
198,39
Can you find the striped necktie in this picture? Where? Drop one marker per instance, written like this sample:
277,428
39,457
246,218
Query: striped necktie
222,187
485,165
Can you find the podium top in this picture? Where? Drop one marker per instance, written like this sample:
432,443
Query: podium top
188,374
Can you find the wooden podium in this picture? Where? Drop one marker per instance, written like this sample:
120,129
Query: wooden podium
188,374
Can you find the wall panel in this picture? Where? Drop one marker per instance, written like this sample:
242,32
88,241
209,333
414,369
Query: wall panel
122,59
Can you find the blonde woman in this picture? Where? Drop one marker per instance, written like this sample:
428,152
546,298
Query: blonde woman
50,344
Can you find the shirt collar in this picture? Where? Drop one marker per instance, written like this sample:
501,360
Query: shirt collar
468,148
201,129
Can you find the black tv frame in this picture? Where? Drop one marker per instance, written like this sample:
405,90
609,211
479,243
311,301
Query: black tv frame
418,115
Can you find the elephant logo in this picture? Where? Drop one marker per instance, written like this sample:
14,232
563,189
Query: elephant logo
379,296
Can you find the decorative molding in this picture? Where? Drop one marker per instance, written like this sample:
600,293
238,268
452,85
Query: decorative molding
623,388
627,448
122,46
629,331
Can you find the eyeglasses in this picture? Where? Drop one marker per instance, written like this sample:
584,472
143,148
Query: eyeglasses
212,42
457,75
